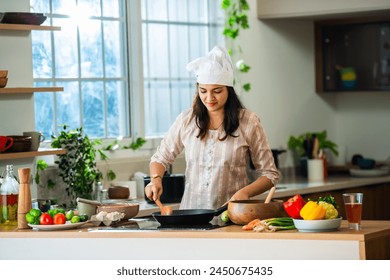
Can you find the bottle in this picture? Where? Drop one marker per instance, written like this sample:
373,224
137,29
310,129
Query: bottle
9,194
99,191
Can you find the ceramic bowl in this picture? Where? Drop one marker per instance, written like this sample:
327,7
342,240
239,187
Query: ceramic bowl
86,209
317,225
129,209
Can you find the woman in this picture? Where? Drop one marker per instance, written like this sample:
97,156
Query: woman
219,136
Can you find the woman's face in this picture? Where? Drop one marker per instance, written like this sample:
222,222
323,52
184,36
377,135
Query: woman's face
213,97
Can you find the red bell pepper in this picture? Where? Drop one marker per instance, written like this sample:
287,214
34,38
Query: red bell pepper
294,205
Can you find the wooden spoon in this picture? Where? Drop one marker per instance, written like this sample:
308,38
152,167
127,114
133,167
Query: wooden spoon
270,194
165,210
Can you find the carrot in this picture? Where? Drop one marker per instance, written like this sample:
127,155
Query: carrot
251,225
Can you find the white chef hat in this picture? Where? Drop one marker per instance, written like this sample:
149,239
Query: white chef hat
215,68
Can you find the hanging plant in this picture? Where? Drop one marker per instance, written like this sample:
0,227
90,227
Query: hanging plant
236,20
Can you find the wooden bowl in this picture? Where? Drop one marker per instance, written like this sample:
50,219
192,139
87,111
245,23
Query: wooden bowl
242,212
3,82
118,192
3,73
21,144
129,209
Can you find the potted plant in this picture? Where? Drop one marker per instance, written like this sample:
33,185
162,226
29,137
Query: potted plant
77,168
303,149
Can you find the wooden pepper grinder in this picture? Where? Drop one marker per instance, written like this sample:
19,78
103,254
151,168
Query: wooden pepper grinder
24,201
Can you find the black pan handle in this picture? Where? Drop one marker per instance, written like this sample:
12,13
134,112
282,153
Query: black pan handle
221,209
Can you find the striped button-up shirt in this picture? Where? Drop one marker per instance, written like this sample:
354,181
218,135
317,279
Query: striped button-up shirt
216,169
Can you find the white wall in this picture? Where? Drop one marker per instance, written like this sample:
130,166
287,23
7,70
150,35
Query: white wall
16,110
281,54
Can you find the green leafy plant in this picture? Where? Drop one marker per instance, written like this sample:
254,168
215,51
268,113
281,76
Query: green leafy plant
77,167
236,20
297,143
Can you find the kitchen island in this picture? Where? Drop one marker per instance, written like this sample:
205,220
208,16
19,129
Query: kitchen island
231,242
224,243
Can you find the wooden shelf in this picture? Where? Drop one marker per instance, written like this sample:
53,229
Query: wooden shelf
17,90
41,152
27,27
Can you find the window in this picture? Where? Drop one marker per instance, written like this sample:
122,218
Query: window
91,58
174,33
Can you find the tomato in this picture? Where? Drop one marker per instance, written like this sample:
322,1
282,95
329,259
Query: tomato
59,219
45,219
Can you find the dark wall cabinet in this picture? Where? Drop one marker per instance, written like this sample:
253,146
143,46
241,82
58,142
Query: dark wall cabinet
353,55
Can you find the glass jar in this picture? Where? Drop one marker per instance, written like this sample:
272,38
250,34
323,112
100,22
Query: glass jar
9,194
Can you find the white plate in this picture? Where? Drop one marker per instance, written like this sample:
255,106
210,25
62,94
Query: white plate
67,225
317,225
369,172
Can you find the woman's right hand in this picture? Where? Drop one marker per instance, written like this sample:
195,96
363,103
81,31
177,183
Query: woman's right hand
153,190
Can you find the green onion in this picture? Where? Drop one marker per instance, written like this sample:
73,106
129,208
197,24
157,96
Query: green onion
274,224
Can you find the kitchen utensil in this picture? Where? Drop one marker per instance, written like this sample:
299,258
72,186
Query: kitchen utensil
36,138
317,225
3,73
23,18
188,216
24,200
3,82
118,192
164,210
270,195
5,143
86,209
67,225
381,171
21,144
129,209
242,212
316,147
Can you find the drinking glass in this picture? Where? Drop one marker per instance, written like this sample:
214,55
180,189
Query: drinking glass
353,207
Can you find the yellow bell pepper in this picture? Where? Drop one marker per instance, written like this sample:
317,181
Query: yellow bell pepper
312,211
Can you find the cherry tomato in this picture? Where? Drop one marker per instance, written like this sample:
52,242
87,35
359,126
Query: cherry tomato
59,219
45,219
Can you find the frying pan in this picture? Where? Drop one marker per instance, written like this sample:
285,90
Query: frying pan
188,216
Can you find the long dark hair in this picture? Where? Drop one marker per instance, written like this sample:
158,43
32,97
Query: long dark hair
231,122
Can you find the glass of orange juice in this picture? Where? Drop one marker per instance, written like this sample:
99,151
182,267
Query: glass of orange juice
353,207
